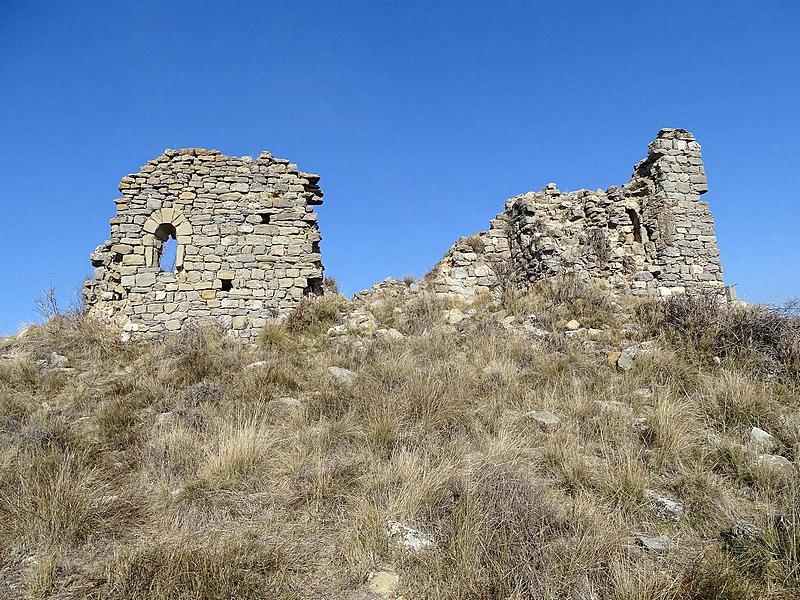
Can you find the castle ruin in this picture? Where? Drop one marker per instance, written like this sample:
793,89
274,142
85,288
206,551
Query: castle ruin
247,244
652,235
248,241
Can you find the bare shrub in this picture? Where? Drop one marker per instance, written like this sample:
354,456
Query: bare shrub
200,352
763,338
424,311
47,304
330,285
597,244
577,299
315,314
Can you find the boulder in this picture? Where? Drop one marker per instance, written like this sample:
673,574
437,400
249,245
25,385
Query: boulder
773,463
58,361
409,538
546,419
761,441
383,583
388,334
666,508
658,544
343,376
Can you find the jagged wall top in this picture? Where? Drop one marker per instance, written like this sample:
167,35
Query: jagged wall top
651,235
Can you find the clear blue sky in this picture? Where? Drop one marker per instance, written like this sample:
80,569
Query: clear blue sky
421,117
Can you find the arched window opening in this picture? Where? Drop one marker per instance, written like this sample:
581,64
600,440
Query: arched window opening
168,252
637,225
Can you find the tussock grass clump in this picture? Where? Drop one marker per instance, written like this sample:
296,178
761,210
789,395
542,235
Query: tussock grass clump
502,526
214,568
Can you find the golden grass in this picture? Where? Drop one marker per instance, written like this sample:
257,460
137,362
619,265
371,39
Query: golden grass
169,470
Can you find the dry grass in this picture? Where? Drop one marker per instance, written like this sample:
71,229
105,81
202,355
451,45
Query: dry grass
169,470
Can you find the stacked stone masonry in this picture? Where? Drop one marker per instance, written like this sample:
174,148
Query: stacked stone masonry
247,244
652,235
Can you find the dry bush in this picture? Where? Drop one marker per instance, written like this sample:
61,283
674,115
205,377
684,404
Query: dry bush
331,286
582,300
198,353
762,338
315,314
77,336
424,312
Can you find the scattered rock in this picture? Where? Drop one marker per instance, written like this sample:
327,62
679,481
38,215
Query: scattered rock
774,463
666,508
761,440
256,365
165,418
343,376
613,406
408,537
658,544
58,361
453,316
534,331
625,360
290,402
642,393
103,501
383,583
629,355
573,325
388,334
741,531
546,419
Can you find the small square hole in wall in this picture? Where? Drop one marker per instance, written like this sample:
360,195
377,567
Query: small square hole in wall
315,247
227,285
264,218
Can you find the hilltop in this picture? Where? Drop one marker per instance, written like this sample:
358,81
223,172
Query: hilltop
560,443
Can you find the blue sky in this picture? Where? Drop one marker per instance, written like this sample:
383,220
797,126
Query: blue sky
421,117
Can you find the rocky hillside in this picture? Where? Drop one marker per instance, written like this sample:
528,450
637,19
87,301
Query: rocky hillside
556,444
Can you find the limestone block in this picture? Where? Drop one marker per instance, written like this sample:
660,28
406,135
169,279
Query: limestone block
145,279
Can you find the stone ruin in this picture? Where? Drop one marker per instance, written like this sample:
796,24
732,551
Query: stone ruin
248,241
247,244
652,235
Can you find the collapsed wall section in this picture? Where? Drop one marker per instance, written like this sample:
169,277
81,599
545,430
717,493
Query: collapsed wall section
651,236
247,244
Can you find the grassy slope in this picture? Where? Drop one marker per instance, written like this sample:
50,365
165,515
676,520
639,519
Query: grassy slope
169,470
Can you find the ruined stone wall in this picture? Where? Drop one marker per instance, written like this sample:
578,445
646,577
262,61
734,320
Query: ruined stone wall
651,236
247,244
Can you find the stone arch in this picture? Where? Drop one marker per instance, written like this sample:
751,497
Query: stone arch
160,225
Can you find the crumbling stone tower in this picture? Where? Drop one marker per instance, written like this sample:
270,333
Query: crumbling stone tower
247,244
653,235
